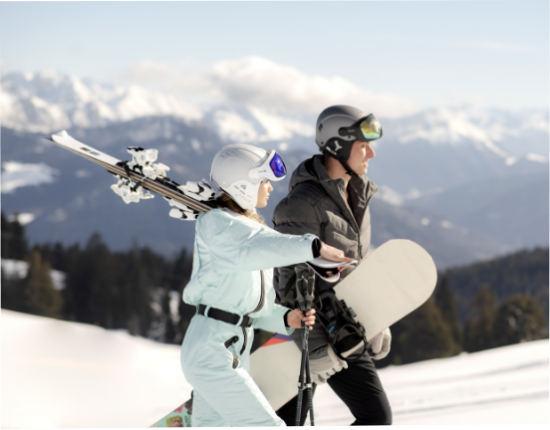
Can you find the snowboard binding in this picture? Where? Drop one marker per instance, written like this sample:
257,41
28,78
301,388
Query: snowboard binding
345,334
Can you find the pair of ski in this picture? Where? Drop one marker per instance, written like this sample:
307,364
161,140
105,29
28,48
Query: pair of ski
394,280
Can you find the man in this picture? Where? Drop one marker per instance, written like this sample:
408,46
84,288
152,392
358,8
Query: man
329,197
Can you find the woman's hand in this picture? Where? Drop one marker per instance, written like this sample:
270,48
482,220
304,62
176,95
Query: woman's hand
333,254
294,318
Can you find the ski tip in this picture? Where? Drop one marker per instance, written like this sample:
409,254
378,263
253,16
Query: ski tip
59,135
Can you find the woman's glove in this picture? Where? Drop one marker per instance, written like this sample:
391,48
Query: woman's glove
379,346
324,367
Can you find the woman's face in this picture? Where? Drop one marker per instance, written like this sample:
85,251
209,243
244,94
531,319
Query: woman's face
263,194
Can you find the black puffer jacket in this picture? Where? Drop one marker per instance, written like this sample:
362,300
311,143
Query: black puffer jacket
316,204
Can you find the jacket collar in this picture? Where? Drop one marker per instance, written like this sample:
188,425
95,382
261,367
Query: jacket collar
360,188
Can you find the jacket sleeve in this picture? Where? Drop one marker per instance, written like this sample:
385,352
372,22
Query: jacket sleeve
236,246
293,216
274,322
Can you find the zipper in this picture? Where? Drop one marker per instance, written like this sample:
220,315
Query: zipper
260,306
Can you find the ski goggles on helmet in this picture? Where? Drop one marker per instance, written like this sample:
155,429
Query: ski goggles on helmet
273,168
366,129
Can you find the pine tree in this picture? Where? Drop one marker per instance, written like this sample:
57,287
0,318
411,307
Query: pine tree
18,244
3,289
41,296
478,331
91,285
6,235
519,319
170,329
445,300
426,335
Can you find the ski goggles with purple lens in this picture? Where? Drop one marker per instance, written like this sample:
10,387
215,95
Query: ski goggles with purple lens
366,129
272,169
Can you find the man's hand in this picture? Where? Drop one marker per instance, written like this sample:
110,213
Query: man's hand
327,365
379,346
294,318
333,254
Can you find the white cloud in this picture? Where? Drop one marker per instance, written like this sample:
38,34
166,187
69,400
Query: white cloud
17,175
264,84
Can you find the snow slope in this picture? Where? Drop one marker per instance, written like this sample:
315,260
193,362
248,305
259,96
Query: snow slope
507,385
61,374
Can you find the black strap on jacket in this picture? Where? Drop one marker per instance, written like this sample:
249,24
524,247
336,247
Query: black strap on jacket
224,316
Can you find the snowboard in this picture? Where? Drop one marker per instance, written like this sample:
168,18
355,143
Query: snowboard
394,280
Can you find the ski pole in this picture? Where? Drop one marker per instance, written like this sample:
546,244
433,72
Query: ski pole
300,300
308,305
305,279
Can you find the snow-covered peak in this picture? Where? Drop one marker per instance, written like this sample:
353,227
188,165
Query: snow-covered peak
253,124
48,101
496,131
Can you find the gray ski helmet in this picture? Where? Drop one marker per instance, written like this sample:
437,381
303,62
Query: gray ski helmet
338,128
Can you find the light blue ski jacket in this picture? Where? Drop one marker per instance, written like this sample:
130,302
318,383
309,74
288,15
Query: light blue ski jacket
230,251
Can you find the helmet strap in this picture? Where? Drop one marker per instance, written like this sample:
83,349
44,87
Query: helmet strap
345,165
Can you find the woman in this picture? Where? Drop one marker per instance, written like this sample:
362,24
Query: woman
231,286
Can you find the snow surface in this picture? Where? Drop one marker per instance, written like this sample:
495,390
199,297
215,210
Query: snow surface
62,374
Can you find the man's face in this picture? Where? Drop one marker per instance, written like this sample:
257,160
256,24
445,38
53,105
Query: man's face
361,153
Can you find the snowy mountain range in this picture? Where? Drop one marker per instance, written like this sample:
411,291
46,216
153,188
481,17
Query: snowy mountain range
48,101
453,179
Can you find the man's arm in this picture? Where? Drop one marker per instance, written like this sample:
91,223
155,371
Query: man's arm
293,215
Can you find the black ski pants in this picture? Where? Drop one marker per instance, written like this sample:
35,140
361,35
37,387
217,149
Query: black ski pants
360,389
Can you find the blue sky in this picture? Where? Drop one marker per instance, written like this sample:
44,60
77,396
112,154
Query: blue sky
423,54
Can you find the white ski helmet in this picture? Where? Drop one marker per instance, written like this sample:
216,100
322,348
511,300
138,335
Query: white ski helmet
238,170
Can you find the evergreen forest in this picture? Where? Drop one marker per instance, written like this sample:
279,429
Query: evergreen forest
475,307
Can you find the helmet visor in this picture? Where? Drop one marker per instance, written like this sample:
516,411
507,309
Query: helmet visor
370,128
277,166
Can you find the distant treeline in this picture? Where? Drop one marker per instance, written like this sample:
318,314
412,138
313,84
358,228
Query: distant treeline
483,305
116,290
